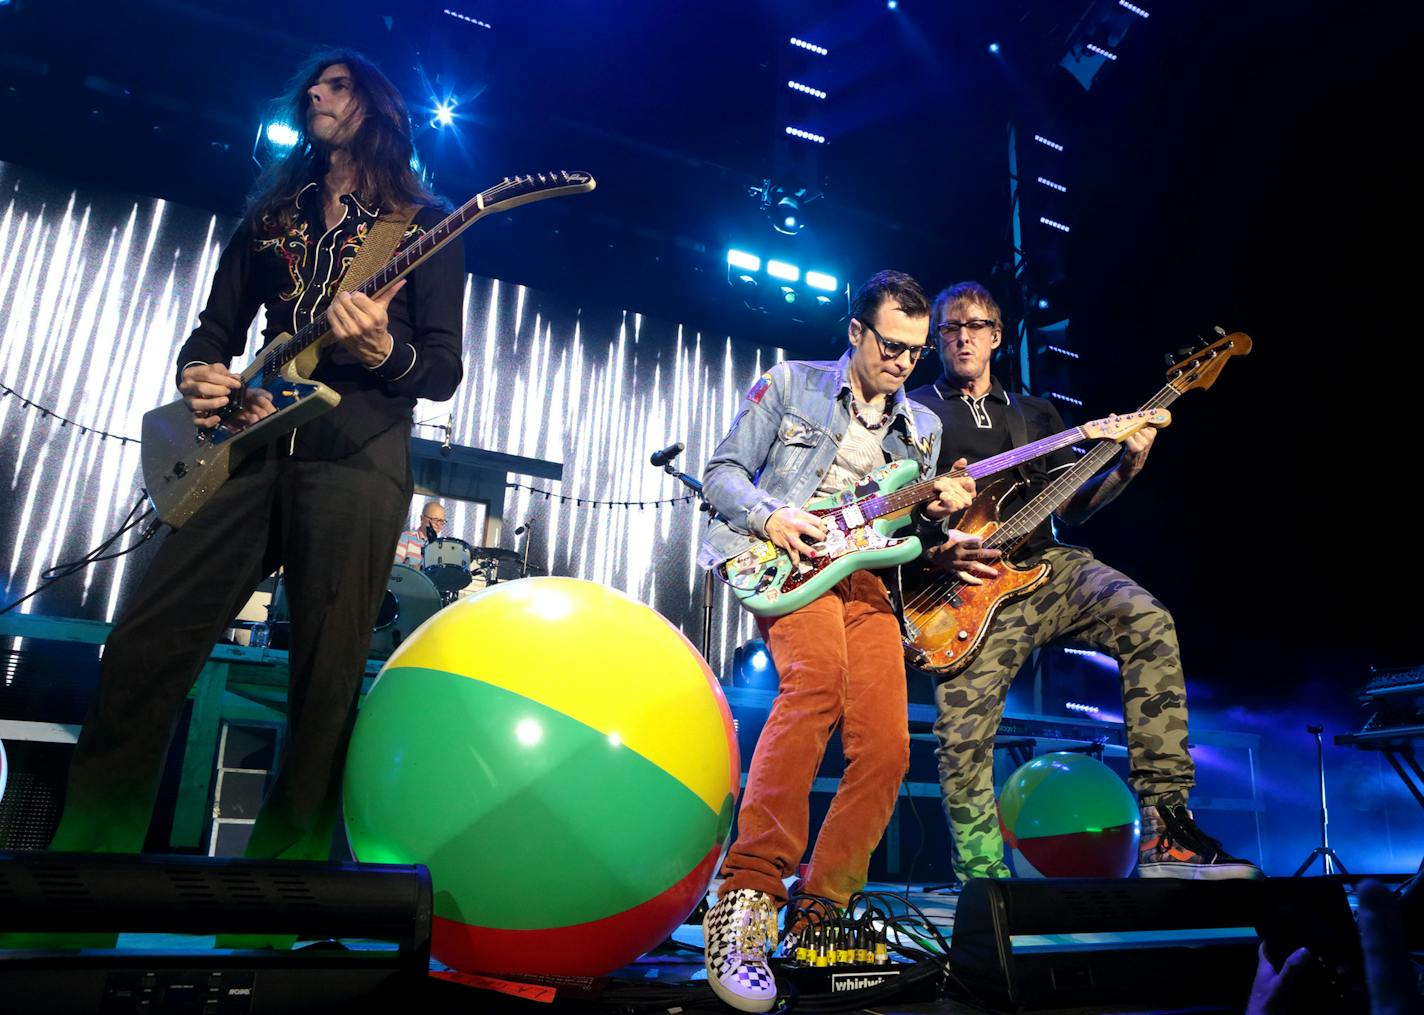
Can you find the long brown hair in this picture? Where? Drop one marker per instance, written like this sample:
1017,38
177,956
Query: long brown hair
381,147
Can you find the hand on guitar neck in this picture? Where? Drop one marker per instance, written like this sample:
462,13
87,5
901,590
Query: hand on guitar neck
954,492
207,390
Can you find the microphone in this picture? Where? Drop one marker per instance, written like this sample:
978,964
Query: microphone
521,530
445,445
667,454
430,534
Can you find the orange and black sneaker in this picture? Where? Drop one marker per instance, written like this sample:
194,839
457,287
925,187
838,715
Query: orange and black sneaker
1174,846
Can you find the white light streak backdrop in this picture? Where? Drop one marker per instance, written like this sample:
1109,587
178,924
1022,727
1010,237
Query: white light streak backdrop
99,290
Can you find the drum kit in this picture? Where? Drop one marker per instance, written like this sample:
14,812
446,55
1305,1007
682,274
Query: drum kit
450,570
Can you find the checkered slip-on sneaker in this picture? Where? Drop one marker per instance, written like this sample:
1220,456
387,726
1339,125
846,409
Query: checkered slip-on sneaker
739,931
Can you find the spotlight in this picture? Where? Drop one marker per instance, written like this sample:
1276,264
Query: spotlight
444,114
994,48
803,44
783,205
806,135
741,259
782,270
892,4
752,666
820,280
788,294
283,135
1042,303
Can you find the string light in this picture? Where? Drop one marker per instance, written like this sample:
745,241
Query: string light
45,413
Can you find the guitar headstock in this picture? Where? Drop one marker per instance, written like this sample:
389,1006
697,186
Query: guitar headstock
1200,368
513,191
1120,428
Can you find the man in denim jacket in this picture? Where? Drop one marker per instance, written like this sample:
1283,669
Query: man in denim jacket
809,429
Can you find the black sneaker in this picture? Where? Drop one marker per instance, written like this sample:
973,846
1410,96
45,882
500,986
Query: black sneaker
1174,846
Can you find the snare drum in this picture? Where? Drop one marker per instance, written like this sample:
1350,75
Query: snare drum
411,599
446,562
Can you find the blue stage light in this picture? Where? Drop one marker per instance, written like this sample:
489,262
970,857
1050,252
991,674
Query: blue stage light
892,4
1063,352
1056,225
789,222
1101,52
1134,8
283,135
811,46
1042,303
805,135
797,86
467,18
1044,141
994,48
788,293
759,660
1052,186
820,280
741,259
444,114
1065,398
782,270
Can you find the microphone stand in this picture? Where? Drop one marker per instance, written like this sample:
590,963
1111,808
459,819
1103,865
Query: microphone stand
708,589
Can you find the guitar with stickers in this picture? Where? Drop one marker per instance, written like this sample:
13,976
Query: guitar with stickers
861,522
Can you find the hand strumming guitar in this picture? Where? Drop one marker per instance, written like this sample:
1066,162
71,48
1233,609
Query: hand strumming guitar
965,557
205,388
787,528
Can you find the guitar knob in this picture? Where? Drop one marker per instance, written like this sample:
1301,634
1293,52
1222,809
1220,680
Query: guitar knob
963,635
180,469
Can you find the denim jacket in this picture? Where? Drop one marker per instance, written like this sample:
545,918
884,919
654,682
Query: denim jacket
783,441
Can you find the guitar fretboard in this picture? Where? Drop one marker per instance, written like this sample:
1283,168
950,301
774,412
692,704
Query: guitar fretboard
428,243
1011,533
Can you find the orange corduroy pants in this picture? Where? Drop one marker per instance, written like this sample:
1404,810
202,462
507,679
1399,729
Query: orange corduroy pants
840,662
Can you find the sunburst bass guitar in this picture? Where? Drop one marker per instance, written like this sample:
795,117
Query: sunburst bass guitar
184,464
861,522
947,620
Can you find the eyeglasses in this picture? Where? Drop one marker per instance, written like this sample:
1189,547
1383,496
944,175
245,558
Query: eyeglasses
975,327
893,350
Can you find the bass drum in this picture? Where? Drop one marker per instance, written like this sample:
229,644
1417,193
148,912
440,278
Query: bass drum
411,599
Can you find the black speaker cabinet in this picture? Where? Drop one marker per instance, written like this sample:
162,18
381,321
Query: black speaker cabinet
1027,943
387,906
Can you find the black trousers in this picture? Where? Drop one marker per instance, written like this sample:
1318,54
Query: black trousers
333,526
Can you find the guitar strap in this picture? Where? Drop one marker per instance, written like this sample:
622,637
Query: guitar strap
376,249
1018,431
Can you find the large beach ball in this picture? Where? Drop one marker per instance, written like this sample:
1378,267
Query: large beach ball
1069,815
563,761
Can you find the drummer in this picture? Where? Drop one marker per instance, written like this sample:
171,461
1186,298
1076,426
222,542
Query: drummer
412,541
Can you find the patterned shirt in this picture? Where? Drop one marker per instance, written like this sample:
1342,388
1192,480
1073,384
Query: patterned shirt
411,548
294,273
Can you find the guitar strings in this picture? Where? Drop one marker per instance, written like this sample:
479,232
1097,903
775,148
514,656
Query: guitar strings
945,588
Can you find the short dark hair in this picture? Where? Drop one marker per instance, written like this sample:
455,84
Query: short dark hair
883,285
967,292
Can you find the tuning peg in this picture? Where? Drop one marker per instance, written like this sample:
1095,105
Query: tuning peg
1220,330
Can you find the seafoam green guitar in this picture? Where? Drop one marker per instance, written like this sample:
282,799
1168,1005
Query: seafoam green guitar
860,522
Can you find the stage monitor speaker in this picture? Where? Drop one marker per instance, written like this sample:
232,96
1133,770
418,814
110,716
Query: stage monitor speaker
1027,943
106,893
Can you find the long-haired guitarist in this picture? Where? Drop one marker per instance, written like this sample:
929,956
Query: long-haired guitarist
808,429
1083,600
327,503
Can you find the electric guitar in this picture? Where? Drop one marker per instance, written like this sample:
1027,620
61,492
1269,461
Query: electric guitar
184,464
947,620
860,522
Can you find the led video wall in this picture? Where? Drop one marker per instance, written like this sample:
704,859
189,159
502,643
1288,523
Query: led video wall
99,290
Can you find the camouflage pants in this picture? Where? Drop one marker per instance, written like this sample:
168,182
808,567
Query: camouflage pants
1086,601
